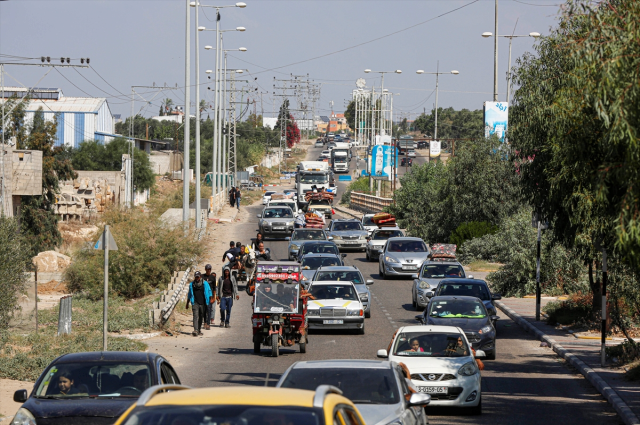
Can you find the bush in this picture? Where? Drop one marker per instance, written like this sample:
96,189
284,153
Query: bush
575,309
14,257
148,253
359,185
470,230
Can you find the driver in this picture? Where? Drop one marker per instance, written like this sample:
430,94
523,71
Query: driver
141,380
458,347
266,298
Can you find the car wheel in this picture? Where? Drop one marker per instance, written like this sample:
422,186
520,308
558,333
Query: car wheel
361,331
383,274
476,410
492,356
256,348
413,302
303,347
367,314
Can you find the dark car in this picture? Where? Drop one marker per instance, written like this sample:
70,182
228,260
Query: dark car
91,388
423,145
317,247
469,288
406,161
468,314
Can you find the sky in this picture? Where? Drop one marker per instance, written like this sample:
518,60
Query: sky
142,43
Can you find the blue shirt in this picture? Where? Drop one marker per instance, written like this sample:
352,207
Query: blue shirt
207,292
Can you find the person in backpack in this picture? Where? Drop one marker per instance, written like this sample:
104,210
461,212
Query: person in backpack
211,279
200,296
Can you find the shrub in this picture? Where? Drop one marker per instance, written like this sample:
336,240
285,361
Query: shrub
14,257
359,185
575,309
470,230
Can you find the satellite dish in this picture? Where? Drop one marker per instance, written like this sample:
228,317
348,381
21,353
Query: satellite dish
360,83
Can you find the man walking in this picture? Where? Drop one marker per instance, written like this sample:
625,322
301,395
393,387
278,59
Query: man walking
211,279
232,196
238,198
200,296
227,290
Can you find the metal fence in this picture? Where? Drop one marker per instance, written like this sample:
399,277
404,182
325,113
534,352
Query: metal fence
368,203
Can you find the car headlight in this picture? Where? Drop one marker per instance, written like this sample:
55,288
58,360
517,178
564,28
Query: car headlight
364,297
468,369
336,237
354,312
390,259
485,330
289,223
23,417
294,247
313,312
424,285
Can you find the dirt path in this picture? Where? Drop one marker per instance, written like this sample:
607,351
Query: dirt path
8,407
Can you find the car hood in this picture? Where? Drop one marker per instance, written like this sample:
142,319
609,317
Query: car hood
278,219
379,414
334,303
432,282
377,243
103,407
432,364
468,325
410,257
342,233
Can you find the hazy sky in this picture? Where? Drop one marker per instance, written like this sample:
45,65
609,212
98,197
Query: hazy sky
142,42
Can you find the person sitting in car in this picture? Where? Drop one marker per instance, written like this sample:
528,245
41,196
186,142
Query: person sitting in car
66,383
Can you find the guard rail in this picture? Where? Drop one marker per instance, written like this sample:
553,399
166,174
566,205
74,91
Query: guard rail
369,203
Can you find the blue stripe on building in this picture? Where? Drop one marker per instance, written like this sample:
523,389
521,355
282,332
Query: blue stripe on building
79,133
99,138
60,129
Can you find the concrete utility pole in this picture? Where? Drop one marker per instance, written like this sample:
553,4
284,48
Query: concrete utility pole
187,135
495,59
197,153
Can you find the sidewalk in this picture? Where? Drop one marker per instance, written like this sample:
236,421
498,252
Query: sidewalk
583,354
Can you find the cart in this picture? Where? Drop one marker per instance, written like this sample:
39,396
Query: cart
279,307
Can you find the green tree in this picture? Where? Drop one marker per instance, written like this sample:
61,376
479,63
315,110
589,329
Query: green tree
350,115
15,253
452,124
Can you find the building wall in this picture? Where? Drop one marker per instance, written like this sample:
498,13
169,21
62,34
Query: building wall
26,173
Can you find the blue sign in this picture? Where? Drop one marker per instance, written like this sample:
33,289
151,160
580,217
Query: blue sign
382,161
496,118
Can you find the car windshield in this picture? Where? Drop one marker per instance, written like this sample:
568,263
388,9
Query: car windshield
276,298
346,226
407,246
97,379
222,414
278,213
319,248
469,290
367,221
333,292
314,178
332,276
308,235
439,271
428,344
268,193
451,309
313,263
360,385
381,235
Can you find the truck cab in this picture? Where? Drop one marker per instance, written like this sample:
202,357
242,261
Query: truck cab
311,175
340,156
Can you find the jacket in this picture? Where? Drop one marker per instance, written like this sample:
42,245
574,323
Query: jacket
234,284
207,292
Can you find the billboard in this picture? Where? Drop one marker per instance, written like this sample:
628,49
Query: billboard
434,149
496,116
382,161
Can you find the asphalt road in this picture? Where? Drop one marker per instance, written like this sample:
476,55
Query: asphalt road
526,384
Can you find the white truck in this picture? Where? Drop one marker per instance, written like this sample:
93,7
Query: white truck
311,174
340,157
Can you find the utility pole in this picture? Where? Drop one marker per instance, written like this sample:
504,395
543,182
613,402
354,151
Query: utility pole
187,135
495,58
197,153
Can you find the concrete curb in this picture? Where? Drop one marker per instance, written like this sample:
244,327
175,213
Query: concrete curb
625,412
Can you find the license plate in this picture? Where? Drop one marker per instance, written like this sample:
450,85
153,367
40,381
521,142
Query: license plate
409,267
434,390
278,228
332,322
351,242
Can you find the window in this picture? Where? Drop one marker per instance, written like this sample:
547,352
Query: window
334,292
168,374
308,235
349,276
346,226
470,290
381,235
439,271
313,263
407,246
427,344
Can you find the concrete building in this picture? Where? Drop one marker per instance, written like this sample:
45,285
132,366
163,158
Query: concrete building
23,177
79,118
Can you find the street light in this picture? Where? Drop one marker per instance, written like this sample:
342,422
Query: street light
510,37
437,74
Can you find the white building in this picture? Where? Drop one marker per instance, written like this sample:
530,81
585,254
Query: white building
78,118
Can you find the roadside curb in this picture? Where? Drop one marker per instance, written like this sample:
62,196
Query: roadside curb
345,211
625,412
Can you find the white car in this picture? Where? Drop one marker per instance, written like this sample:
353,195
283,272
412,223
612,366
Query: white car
441,364
368,224
336,305
411,153
267,196
325,154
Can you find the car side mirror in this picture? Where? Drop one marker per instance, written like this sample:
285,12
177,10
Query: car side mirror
343,255
369,281
495,318
330,238
419,399
430,294
420,318
470,276
496,297
259,215
414,276
480,354
20,396
382,354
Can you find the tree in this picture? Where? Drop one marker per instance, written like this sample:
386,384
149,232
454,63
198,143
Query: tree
255,121
452,124
37,217
94,156
15,253
292,132
350,115
167,104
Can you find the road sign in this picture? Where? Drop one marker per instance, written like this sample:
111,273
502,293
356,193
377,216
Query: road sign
100,243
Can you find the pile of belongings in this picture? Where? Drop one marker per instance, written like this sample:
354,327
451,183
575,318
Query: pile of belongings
320,194
443,250
276,196
383,219
314,220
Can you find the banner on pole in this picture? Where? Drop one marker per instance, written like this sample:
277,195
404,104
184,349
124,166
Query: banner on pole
496,117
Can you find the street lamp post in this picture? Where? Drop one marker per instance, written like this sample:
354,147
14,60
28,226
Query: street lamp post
437,74
187,84
510,37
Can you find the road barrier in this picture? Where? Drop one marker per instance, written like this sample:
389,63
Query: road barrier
368,203
344,178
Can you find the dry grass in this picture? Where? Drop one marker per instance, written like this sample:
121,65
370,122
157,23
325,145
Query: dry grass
483,266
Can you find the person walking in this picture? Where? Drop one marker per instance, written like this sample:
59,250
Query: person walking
212,280
227,290
232,196
200,296
238,198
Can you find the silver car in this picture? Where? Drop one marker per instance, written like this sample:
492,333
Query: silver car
377,388
312,262
302,235
402,257
431,273
341,273
376,241
276,222
348,234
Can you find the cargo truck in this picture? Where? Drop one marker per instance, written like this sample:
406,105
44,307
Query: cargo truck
340,156
311,174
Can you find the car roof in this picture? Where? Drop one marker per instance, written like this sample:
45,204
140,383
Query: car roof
355,220
108,356
279,263
338,268
405,238
348,363
324,254
463,281
259,396
454,298
429,328
448,262
332,282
